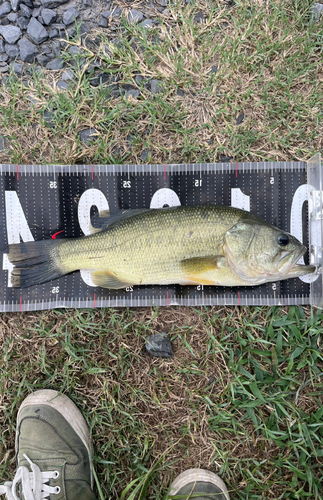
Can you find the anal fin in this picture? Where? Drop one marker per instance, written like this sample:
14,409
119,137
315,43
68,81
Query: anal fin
107,279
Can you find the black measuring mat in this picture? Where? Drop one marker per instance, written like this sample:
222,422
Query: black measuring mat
45,201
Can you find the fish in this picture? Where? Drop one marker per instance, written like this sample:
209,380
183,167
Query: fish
211,245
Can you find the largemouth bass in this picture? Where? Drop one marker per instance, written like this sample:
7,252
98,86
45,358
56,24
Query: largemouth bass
188,245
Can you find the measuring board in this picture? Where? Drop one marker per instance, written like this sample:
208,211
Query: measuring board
44,201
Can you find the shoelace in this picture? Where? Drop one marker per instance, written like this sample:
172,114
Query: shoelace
33,483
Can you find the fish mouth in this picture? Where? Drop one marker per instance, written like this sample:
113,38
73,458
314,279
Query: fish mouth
295,268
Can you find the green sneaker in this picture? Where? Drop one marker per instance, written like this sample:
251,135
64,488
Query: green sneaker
199,484
53,451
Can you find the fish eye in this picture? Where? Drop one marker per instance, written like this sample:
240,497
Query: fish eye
283,240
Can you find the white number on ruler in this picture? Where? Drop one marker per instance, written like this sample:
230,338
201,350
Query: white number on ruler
240,200
272,180
126,184
17,227
90,198
164,196
129,289
274,286
200,287
55,289
198,182
53,184
296,225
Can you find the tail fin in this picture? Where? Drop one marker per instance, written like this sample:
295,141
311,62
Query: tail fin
35,262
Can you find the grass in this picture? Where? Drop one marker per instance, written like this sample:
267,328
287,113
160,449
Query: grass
243,394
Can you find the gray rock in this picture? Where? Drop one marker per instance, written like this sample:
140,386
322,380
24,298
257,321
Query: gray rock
84,28
87,3
240,118
10,33
5,22
2,45
15,4
99,79
48,118
13,16
12,50
56,47
132,93
3,67
49,16
148,24
199,18
71,32
36,31
55,64
42,59
22,22
75,50
67,75
159,345
4,57
144,155
5,9
61,85
214,69
138,79
135,16
36,12
88,135
116,13
155,86
26,11
70,15
106,13
45,49
180,93
103,23
28,51
163,3
31,3
18,68
51,4
53,33
316,12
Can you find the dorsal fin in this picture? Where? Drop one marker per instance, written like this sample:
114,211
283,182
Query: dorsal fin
103,220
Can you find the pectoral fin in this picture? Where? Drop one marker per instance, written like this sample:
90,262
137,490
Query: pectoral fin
107,279
196,268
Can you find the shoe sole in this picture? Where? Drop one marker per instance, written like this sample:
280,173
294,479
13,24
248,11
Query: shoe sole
200,475
65,406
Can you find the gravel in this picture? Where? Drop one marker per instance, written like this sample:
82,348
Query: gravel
135,16
26,11
10,33
56,64
88,135
12,50
5,9
28,51
48,16
155,86
27,25
159,345
51,4
70,15
36,31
